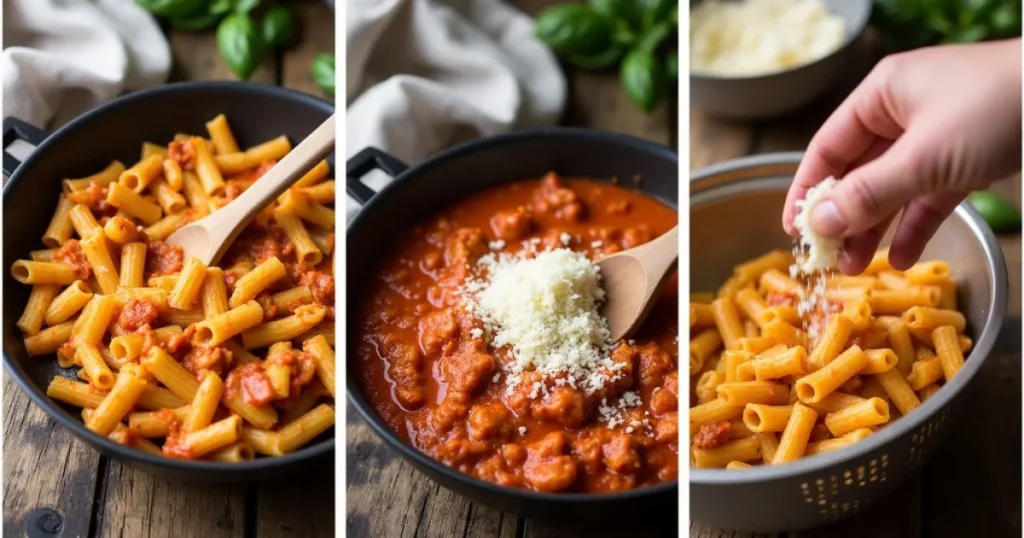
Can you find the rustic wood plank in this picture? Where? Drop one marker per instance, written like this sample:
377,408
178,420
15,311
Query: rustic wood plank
46,469
713,141
535,528
315,35
136,503
702,530
973,483
196,57
296,507
598,101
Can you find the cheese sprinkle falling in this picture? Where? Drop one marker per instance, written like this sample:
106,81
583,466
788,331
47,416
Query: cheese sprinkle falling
545,310
821,252
815,256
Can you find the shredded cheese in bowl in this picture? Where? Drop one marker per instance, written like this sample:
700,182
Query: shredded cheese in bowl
757,37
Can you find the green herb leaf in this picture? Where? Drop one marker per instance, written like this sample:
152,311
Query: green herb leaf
998,212
600,60
221,6
1005,19
967,34
279,26
641,76
245,6
574,28
653,38
323,72
627,10
196,23
672,67
655,11
172,8
240,44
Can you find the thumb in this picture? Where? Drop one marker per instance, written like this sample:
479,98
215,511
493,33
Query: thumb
874,191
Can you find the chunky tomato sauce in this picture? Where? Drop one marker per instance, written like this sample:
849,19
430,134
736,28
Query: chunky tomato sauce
440,389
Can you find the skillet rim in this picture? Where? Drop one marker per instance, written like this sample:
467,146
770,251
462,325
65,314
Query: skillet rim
419,459
54,410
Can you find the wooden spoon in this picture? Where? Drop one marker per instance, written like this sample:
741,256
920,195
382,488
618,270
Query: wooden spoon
632,279
209,237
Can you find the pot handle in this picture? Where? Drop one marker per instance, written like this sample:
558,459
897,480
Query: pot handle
30,137
364,162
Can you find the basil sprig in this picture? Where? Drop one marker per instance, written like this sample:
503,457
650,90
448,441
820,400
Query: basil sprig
637,35
244,38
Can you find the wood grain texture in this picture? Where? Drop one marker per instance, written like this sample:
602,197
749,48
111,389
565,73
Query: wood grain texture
296,507
135,503
317,33
45,467
92,496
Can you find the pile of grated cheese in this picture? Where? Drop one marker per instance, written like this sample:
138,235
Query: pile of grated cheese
544,308
815,255
756,37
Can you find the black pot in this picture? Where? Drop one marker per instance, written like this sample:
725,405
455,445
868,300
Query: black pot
117,130
419,191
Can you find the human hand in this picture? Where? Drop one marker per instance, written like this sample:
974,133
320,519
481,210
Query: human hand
924,129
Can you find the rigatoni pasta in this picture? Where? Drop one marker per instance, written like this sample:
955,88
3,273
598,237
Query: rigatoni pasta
807,376
165,364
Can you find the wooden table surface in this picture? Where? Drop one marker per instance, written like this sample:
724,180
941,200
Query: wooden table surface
972,486
386,497
62,488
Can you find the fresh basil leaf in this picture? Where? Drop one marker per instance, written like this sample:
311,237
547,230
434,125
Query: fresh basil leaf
221,6
279,26
623,33
1005,19
240,43
322,72
172,8
641,76
196,23
627,10
967,34
574,28
245,6
1001,215
600,60
655,11
653,38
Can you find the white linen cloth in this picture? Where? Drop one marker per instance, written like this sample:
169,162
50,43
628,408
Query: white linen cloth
63,57
423,75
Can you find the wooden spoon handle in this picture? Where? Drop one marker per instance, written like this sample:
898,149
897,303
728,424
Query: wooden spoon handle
315,148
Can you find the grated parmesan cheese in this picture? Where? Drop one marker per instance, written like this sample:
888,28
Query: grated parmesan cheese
496,245
522,430
815,256
545,310
476,333
756,37
565,238
821,252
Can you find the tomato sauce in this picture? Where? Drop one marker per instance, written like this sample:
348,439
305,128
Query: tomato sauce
70,253
442,390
